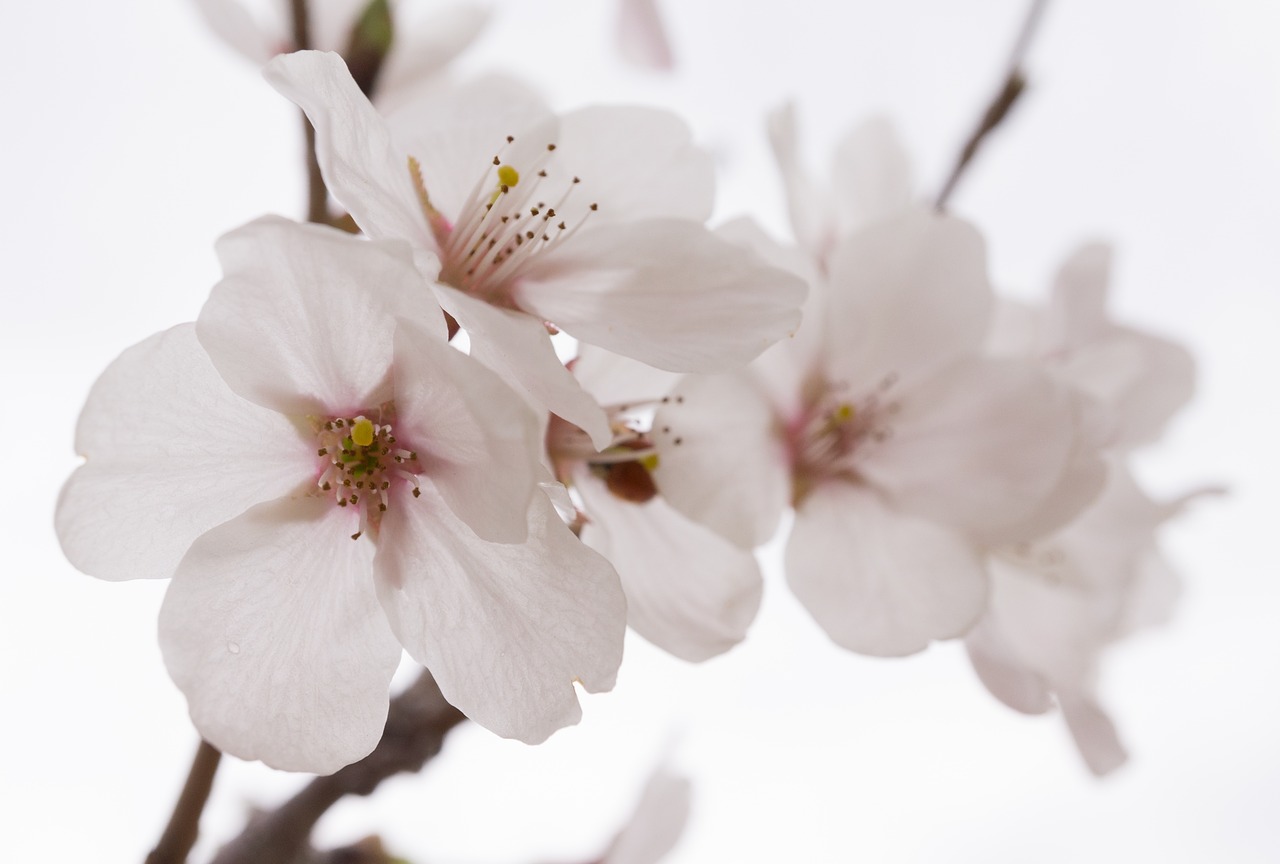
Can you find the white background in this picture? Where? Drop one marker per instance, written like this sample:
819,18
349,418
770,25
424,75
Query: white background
132,139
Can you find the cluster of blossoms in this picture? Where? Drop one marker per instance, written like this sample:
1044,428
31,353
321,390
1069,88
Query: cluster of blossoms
329,481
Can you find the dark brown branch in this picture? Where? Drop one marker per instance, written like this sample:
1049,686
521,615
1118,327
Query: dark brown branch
416,726
1015,82
184,825
317,193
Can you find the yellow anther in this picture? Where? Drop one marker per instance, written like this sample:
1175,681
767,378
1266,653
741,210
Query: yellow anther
844,413
508,176
362,432
650,462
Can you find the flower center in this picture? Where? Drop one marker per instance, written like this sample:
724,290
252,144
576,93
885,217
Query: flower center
505,222
836,432
360,462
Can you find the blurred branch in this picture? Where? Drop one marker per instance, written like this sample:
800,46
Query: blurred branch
416,725
1015,82
184,825
317,192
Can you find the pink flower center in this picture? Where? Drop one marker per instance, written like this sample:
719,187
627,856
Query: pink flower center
360,462
837,431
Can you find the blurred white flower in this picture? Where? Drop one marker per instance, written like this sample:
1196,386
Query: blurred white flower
591,221
642,37
424,37
327,479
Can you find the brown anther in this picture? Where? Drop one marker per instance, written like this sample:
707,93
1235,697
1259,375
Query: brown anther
356,536
630,481
595,206
321,452
416,492
551,146
497,161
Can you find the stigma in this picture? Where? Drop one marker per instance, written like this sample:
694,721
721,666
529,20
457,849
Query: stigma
360,461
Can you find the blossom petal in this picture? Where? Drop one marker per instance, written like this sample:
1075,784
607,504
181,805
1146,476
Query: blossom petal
655,826
1094,733
612,379
362,166
811,213
908,297
303,317
478,441
1000,672
635,163
423,48
879,581
516,346
642,38
871,175
171,453
738,487
272,629
505,629
666,292
234,25
980,447
689,591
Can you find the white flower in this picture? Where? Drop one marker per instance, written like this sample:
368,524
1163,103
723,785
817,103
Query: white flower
423,41
908,451
591,221
1058,603
1139,379
327,480
689,590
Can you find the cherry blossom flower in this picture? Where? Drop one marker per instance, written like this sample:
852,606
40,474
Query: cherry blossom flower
591,221
690,591
1058,603
424,38
908,452
327,480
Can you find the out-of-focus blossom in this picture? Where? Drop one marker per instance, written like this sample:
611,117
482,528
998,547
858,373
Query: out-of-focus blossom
641,36
591,221
690,591
327,480
657,822
1057,603
414,39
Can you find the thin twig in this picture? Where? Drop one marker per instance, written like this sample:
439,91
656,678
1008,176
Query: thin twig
1015,82
184,825
317,192
416,725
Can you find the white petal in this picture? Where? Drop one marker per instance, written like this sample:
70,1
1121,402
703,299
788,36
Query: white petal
363,168
656,824
689,591
1001,672
273,631
1078,300
478,441
635,163
303,318
979,447
171,453
1094,733
424,47
612,379
871,175
812,213
642,39
879,581
907,297
234,25
517,347
666,292
722,461
505,629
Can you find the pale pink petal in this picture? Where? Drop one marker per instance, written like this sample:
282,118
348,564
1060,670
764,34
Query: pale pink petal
667,292
272,630
635,163
331,22
1153,595
656,823
516,346
234,25
364,169
907,297
455,132
871,175
1094,733
879,581
425,45
1017,329
505,629
1001,672
613,379
302,319
642,38
477,440
171,453
689,591
979,447
1078,299
812,213
722,461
